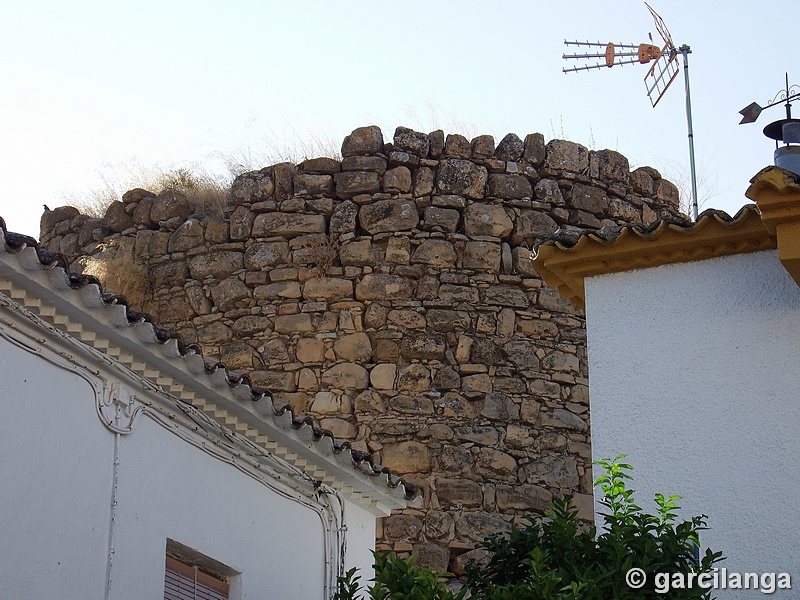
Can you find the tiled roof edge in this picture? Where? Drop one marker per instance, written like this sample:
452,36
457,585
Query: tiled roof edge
362,462
564,260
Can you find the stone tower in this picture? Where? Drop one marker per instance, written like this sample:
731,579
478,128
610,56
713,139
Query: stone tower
390,296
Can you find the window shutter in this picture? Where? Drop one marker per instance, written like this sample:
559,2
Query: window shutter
182,582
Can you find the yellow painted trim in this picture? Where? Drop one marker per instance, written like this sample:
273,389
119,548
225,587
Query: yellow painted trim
565,268
777,193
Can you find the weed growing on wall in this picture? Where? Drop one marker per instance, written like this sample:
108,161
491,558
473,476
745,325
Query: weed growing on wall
118,270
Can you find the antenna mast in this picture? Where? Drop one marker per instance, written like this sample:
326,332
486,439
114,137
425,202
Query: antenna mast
658,78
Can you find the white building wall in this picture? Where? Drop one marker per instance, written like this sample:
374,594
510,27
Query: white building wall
694,373
56,483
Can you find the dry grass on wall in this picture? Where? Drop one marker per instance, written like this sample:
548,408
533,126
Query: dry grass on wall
207,191
119,272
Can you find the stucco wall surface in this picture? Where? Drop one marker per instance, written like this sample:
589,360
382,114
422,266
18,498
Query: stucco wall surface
56,482
700,389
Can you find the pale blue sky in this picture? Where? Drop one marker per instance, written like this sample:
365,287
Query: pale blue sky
89,87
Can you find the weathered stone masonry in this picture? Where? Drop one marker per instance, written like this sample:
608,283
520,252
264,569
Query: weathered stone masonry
390,295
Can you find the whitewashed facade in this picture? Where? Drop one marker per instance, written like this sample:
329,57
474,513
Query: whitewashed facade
693,346
117,448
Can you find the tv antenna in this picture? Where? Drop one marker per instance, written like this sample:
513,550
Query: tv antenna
659,77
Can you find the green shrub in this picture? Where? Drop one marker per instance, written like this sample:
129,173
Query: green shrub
556,557
399,579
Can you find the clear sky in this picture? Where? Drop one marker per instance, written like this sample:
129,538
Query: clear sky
90,88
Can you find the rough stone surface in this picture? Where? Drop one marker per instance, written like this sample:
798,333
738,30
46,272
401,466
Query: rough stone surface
461,177
388,216
487,219
363,141
395,304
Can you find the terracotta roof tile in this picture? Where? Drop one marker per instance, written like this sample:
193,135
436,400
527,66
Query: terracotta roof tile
565,259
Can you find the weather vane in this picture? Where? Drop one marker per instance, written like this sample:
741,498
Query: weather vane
661,74
785,130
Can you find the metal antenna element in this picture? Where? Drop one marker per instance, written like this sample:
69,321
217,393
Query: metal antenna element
631,53
658,78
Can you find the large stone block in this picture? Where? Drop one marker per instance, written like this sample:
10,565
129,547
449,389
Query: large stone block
509,148
327,289
343,219
478,434
406,457
229,294
364,140
608,166
566,156
364,163
441,219
170,205
217,264
322,165
535,150
509,186
522,353
388,216
382,286
287,224
458,293
165,275
421,345
116,217
455,493
590,199
523,497
476,526
416,378
279,381
261,255
487,219
353,347
397,180
299,323
561,361
461,177
554,472
482,146
499,407
456,146
447,320
241,223
251,325
563,419
483,256
506,295
346,376
436,253
306,184
353,183
530,225
279,290
357,254
402,527
408,140
254,186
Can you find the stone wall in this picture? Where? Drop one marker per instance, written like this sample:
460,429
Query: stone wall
389,294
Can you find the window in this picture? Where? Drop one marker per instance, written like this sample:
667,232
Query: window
190,575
